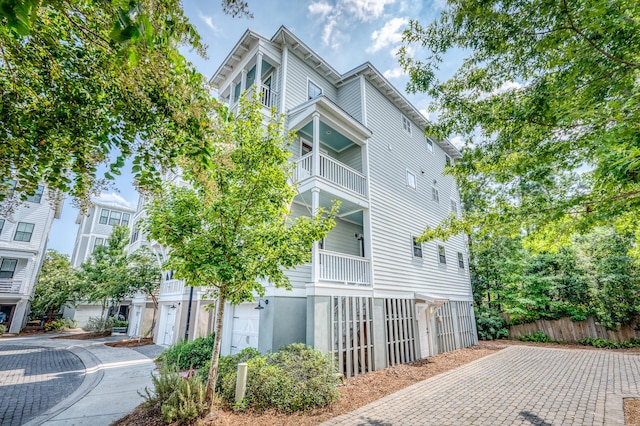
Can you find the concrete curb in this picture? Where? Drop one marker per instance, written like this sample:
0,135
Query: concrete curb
92,377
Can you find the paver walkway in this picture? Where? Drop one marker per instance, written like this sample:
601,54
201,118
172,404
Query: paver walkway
520,385
34,379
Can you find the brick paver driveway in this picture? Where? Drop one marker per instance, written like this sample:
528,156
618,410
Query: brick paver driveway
520,385
34,379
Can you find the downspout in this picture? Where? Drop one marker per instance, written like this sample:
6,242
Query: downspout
186,331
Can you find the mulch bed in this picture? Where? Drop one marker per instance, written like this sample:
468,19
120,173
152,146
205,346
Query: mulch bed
632,411
131,343
84,336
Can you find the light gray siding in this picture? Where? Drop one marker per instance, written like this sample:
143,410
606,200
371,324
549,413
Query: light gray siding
352,157
300,275
298,73
342,239
398,212
349,99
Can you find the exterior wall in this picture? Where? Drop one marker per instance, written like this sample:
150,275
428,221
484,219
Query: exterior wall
349,99
28,254
298,73
399,212
282,322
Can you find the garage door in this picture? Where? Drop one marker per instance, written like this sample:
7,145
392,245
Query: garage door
246,321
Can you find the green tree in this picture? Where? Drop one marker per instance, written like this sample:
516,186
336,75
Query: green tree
86,83
547,99
103,277
143,275
55,287
232,232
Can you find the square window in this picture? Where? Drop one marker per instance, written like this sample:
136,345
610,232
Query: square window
313,90
37,196
435,195
8,268
411,179
99,242
125,219
114,218
417,247
454,207
1,225
406,124
24,232
442,257
430,144
104,216
460,260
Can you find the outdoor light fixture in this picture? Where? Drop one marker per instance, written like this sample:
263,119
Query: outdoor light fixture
173,306
266,302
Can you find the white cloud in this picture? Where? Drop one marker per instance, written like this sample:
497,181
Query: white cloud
209,21
114,198
389,34
394,73
424,113
366,10
507,86
320,8
457,141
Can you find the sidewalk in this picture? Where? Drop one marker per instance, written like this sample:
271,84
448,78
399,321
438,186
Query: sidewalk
113,377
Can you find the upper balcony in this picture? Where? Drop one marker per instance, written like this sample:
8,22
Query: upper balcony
10,286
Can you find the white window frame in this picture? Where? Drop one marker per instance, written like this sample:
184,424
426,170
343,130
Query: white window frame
448,161
37,196
23,232
309,83
1,225
113,219
12,271
122,221
102,215
460,260
435,194
97,244
430,145
415,180
416,246
406,124
442,258
454,207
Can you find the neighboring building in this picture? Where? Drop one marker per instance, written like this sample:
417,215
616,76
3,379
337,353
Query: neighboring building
95,227
372,296
23,241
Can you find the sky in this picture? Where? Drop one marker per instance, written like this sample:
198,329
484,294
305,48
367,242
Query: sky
346,33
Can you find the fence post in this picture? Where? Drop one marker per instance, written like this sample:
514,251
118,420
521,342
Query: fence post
241,381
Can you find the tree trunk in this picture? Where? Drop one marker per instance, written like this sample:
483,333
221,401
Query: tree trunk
213,369
154,299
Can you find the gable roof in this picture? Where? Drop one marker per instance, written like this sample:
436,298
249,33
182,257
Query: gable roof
284,37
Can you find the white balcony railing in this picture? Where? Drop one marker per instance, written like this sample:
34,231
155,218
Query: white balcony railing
10,286
171,287
334,171
344,268
268,97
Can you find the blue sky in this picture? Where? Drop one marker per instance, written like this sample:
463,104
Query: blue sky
346,33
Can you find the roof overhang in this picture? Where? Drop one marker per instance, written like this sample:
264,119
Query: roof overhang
430,299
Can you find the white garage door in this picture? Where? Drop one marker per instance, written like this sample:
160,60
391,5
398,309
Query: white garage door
246,321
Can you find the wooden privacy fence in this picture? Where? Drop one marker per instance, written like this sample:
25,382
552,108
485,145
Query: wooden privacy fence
571,331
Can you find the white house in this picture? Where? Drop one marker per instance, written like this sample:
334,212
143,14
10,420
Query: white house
95,227
372,296
23,240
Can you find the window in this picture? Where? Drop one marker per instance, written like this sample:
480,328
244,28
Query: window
411,179
135,234
447,160
435,195
460,260
406,124
37,196
104,216
24,231
99,242
313,90
442,258
454,207
236,92
305,148
8,268
417,247
125,219
114,218
1,225
430,144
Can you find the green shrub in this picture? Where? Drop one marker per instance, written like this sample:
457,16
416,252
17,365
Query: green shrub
60,324
597,342
3,328
188,354
98,325
120,323
228,364
181,399
490,324
296,378
538,336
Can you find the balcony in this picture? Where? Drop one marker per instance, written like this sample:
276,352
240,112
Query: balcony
10,286
343,268
171,287
333,171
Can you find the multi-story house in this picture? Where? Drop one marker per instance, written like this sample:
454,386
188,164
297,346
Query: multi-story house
372,296
95,227
23,240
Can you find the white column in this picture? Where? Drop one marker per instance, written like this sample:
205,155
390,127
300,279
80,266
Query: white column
315,153
315,254
283,80
243,81
259,71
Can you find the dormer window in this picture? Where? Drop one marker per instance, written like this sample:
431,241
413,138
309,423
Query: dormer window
447,160
313,90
